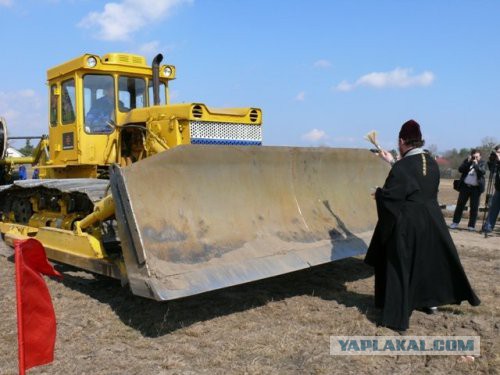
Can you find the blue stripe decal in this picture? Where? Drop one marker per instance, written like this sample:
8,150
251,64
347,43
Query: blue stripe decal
205,141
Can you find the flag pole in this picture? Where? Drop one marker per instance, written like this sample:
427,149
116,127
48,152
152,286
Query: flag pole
20,332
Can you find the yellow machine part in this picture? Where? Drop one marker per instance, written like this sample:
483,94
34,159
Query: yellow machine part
198,218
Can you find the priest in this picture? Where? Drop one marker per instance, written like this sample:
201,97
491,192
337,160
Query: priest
416,262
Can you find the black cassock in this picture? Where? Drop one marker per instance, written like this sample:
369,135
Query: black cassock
416,262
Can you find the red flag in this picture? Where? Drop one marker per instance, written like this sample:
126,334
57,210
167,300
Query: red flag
36,320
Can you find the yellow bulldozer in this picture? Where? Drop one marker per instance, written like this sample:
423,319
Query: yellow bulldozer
178,199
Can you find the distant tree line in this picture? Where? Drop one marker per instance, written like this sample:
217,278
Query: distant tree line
28,149
455,156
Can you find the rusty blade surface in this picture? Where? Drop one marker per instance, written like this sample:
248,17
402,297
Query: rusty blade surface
199,218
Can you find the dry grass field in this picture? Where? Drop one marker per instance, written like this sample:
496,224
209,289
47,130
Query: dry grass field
280,325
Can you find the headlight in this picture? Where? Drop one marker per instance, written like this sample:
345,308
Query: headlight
167,71
91,62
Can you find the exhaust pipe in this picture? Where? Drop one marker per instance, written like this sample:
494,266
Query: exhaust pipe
156,78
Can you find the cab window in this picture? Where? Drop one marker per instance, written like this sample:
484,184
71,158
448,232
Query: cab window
99,103
131,93
163,98
68,99
53,105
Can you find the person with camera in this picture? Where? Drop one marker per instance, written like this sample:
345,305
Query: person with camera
494,206
472,185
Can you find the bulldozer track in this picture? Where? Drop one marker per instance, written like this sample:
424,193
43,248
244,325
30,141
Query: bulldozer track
81,194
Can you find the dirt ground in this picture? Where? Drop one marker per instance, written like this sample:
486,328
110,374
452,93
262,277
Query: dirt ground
278,325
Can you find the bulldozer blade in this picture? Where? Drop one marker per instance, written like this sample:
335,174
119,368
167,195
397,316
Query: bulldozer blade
202,217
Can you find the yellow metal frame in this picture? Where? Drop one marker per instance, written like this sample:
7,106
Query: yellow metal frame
80,250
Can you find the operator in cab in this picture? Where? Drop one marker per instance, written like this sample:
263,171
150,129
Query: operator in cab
101,115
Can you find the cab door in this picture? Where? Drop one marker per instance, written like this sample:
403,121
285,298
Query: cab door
63,135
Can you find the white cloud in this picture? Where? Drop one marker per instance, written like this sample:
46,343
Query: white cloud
150,48
5,3
399,78
344,86
301,96
118,21
24,112
315,136
322,64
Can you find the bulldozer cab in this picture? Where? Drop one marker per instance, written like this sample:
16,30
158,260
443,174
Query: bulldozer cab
91,98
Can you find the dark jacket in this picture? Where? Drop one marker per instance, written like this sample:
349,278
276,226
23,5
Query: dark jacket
416,262
480,168
494,167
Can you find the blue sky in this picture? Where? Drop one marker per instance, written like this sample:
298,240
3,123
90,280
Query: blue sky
324,72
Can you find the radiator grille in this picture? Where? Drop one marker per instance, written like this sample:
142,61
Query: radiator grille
204,132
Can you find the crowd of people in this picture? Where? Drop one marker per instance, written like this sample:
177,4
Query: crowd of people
472,184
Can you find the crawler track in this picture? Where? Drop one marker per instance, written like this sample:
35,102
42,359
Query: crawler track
58,202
